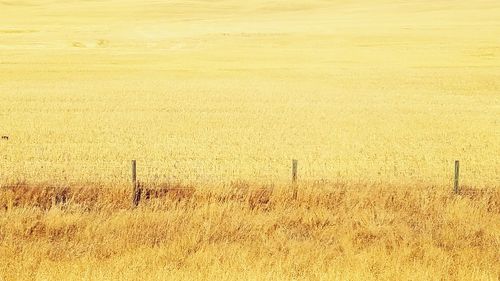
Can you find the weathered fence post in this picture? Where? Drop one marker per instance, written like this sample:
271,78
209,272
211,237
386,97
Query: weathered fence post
294,178
457,167
135,189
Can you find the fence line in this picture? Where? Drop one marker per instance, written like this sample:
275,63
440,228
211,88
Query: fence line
137,185
137,189
143,192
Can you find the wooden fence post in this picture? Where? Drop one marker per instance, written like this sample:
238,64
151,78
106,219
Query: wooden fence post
294,178
456,186
135,189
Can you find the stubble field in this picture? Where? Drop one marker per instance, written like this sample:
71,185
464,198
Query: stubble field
375,99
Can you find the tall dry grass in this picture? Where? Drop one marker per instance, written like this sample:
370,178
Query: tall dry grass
331,232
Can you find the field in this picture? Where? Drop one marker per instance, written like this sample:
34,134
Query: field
328,233
375,99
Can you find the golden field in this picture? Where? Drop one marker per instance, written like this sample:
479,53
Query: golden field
376,99
328,233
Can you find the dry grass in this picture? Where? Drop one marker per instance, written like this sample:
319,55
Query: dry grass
329,233
375,98
371,91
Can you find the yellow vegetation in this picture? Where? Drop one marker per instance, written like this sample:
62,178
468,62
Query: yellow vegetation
370,91
376,99
329,233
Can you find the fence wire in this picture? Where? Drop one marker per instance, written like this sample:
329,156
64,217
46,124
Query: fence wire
258,170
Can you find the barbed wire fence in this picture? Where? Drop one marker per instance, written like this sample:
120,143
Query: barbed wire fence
256,170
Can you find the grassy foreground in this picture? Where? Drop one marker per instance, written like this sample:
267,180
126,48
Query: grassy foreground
330,232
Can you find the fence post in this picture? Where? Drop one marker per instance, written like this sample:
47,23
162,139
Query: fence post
294,178
457,167
135,190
